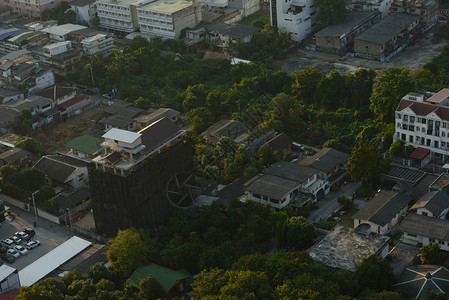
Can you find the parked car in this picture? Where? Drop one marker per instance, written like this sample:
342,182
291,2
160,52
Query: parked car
32,244
107,96
7,243
13,253
29,231
22,235
3,249
21,250
7,258
16,240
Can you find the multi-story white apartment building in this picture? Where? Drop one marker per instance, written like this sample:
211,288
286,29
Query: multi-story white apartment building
167,18
423,121
382,6
99,43
294,16
117,15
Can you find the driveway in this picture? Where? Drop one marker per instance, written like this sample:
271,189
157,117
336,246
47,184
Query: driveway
328,205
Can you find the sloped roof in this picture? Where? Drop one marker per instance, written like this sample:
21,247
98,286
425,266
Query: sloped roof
61,91
58,167
436,202
419,154
7,116
85,143
423,109
118,121
158,132
439,97
291,171
77,99
383,207
72,199
352,21
280,142
218,128
272,186
165,276
5,92
122,110
325,160
425,226
14,154
157,115
214,55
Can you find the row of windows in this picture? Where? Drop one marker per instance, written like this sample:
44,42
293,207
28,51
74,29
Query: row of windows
412,119
156,28
154,21
423,141
429,131
115,7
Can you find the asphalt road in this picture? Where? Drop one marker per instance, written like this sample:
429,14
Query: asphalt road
49,234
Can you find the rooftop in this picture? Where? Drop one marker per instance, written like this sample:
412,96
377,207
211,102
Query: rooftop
280,142
424,109
63,29
14,154
120,135
85,143
55,92
123,109
419,154
58,167
158,133
157,115
5,92
7,116
67,201
74,101
353,20
425,226
342,248
94,38
439,97
325,160
291,171
233,30
81,2
399,173
6,271
436,202
389,27
272,186
164,6
118,121
217,128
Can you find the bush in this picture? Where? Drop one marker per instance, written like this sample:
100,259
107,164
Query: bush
362,191
326,224
345,201
431,254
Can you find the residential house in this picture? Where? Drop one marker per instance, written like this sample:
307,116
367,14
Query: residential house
60,33
145,120
7,95
420,157
36,104
330,162
75,105
423,121
174,283
60,56
382,6
17,156
64,170
386,38
383,211
340,37
294,16
282,144
434,204
426,10
422,230
120,122
84,147
39,79
73,201
220,33
9,278
230,128
31,8
99,43
59,94
441,183
124,109
8,118
85,10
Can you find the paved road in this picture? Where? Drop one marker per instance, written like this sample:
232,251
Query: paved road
329,204
49,234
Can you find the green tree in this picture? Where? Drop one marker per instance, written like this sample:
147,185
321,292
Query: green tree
138,42
366,164
29,144
431,254
45,192
150,288
98,272
129,250
374,273
330,11
397,149
306,82
300,233
391,85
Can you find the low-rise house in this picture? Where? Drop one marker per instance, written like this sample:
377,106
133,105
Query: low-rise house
74,201
220,33
99,43
59,94
75,105
282,144
9,95
426,10
174,283
419,229
60,33
340,37
8,118
382,6
433,204
230,128
145,120
9,278
124,109
85,10
420,157
120,122
64,170
383,212
332,163
36,104
17,156
60,56
84,147
386,38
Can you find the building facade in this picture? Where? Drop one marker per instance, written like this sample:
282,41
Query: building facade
30,8
294,16
99,43
382,6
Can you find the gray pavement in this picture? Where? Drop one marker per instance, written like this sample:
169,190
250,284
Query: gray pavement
329,204
49,234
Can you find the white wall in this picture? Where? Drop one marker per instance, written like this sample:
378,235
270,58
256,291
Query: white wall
79,178
300,24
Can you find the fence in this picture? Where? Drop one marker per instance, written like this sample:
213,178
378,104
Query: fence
45,215
89,234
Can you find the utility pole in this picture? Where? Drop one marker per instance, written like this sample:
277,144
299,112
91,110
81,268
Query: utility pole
35,208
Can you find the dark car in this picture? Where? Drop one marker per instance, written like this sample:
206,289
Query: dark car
7,258
29,231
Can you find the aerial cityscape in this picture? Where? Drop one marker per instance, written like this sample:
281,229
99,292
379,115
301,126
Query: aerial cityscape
224,149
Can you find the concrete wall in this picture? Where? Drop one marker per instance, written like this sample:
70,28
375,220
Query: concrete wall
368,47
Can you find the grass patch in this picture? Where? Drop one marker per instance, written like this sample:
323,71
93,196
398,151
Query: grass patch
346,220
262,16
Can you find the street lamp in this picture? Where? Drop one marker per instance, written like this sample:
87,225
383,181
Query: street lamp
35,208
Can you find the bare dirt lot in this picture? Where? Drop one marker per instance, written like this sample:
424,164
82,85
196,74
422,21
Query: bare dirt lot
56,135
415,56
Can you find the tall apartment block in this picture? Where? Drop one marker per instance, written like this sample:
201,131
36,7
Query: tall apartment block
30,8
166,18
294,16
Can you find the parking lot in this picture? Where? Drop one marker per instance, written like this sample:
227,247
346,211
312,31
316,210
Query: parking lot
49,234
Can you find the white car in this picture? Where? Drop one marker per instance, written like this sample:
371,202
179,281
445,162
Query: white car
8,243
13,253
22,235
32,244
21,250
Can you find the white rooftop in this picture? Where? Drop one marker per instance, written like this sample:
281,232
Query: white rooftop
63,29
121,135
5,271
52,260
56,45
93,38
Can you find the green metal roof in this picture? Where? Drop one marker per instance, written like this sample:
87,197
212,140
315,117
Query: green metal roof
165,276
85,143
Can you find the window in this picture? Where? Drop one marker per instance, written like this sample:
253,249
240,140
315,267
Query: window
410,139
405,118
412,119
424,213
436,144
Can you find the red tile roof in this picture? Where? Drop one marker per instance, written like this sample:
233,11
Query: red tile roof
419,154
72,102
9,295
439,97
423,109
